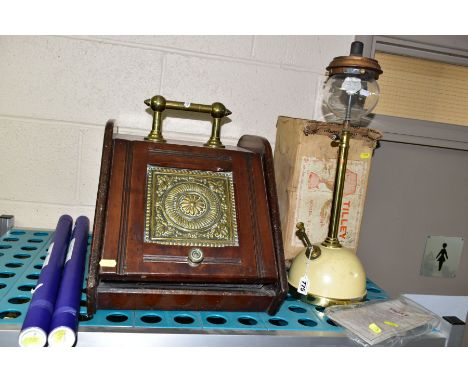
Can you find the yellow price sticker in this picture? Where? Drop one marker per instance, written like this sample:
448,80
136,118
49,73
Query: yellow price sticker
365,155
108,263
390,323
375,328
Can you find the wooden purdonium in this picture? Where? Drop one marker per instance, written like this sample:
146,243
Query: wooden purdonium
182,226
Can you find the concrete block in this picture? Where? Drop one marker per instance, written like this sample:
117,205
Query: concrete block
298,51
71,80
38,161
269,48
38,215
312,53
229,46
90,164
255,94
333,46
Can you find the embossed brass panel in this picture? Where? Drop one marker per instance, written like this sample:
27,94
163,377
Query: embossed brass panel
190,207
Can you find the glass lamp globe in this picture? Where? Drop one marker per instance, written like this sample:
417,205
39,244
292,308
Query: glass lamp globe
358,93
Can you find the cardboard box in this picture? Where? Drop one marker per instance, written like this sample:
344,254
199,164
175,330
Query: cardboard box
305,165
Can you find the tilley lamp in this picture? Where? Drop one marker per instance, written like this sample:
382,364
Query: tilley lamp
327,273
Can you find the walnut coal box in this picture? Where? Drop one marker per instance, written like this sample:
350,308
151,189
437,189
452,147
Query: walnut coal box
186,226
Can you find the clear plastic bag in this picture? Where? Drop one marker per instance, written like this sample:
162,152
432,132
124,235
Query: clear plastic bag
384,322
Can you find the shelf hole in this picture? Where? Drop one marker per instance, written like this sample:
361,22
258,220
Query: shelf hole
43,257
297,309
117,317
35,241
320,309
38,266
13,265
330,322
6,275
9,314
151,319
17,233
84,317
22,256
307,322
291,298
11,239
278,322
2,286
19,300
1,254
26,288
184,320
216,320
40,233
28,248
33,276
83,303
4,246
249,321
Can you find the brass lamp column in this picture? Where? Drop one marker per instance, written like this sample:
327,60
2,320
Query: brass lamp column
328,273
332,239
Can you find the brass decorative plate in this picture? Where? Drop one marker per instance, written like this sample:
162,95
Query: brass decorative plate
190,207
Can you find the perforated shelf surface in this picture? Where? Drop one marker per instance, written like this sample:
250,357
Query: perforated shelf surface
22,253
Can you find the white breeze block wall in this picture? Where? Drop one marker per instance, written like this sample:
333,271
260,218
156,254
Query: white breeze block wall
56,94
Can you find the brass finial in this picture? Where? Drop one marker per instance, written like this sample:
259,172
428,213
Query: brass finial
158,105
218,111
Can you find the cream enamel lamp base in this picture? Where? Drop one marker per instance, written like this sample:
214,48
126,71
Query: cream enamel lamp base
335,277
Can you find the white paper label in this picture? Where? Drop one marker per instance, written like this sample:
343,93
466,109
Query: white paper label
49,251
351,85
70,250
303,285
186,104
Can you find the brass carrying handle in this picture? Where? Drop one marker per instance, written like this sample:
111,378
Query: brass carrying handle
158,104
312,251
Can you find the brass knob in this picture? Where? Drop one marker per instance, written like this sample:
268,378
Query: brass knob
312,251
157,103
195,256
302,234
218,110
